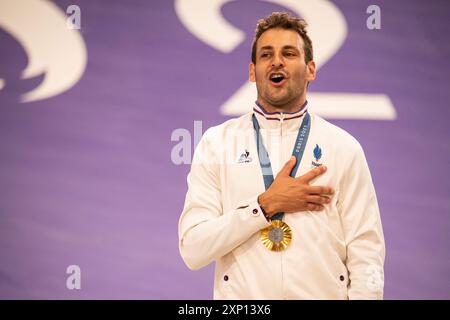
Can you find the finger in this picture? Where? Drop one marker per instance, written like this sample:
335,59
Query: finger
314,173
287,168
314,207
316,199
320,190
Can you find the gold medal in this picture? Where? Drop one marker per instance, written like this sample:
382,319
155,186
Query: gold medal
277,236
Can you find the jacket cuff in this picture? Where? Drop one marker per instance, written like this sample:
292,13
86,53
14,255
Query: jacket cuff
254,211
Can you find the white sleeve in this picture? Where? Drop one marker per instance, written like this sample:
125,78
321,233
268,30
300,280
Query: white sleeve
205,232
360,216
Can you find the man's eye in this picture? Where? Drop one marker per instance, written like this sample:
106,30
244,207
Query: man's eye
290,54
264,55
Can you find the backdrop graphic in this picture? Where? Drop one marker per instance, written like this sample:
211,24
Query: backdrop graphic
86,119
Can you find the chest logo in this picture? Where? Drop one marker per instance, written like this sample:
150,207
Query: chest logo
317,152
245,157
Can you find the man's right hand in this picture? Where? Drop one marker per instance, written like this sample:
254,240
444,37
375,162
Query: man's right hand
287,194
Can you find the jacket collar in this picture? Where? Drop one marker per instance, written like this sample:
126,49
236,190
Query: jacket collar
276,120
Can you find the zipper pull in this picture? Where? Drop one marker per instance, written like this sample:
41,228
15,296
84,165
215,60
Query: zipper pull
281,123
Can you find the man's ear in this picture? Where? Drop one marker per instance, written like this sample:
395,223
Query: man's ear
311,71
251,72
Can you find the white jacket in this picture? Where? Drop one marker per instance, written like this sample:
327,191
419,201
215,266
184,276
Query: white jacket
337,253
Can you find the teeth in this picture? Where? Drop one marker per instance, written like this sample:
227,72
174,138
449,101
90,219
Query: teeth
275,76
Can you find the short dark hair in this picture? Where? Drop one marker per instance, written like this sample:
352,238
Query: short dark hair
285,21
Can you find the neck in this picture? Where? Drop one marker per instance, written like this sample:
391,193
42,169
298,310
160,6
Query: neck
290,108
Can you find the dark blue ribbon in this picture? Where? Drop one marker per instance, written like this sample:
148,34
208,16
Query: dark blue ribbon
263,155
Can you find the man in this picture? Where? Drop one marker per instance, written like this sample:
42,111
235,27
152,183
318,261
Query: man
313,232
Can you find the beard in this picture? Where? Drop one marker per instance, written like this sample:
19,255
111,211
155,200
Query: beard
277,97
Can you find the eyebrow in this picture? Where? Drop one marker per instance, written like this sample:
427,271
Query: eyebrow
284,47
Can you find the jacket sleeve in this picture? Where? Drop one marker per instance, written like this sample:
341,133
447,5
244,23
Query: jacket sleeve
360,216
205,232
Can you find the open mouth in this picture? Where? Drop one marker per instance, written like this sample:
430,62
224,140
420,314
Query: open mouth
276,78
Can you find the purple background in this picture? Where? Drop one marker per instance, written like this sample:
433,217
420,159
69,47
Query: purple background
86,176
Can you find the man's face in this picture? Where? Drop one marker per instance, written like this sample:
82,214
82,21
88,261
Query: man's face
280,72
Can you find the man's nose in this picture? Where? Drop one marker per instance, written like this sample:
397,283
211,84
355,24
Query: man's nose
277,60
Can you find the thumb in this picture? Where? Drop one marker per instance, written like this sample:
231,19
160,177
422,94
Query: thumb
287,168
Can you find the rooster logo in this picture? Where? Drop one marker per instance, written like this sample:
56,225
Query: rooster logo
244,158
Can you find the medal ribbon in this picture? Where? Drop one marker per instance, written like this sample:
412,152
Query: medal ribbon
263,155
